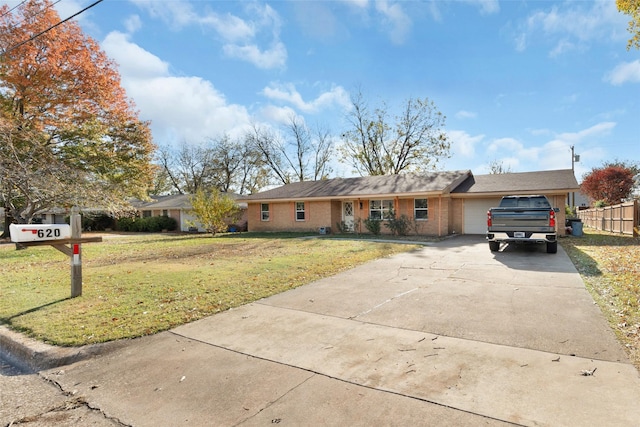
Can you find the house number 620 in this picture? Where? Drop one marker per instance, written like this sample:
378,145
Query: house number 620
49,232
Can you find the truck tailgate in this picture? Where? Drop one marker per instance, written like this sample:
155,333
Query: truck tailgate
514,219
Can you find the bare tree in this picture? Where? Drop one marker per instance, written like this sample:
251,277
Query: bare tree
188,168
415,142
270,147
224,164
324,151
298,155
498,167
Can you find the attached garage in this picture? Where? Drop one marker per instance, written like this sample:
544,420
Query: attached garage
481,192
475,214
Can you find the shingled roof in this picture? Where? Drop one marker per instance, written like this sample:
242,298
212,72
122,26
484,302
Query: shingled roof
369,186
542,182
174,201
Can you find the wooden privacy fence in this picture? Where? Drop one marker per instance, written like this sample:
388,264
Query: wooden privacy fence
623,218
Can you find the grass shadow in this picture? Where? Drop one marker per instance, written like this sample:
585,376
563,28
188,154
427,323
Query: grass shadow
584,263
7,320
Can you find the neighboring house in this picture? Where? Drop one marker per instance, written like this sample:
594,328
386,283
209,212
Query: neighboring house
59,215
438,203
178,207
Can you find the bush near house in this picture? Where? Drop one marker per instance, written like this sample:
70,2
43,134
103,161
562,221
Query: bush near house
96,222
153,224
373,225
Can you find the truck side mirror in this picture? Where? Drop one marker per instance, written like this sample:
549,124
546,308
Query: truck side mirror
556,210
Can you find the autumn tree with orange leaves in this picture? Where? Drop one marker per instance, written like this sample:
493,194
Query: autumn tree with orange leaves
68,134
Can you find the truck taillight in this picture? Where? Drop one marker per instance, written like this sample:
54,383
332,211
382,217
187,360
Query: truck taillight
552,218
488,218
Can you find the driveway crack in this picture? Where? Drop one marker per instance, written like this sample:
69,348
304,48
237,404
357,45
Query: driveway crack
382,303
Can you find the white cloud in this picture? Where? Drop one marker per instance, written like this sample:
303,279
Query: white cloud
563,46
288,93
464,144
241,38
396,19
600,129
559,148
134,61
229,27
462,114
514,149
487,7
176,13
572,25
626,72
361,4
133,24
274,114
179,108
274,57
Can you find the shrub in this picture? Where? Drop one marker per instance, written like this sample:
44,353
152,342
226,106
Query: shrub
152,224
398,226
98,222
373,225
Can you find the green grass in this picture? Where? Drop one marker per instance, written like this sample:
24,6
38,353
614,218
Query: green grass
610,267
135,285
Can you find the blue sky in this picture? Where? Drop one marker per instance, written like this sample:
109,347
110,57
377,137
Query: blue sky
519,81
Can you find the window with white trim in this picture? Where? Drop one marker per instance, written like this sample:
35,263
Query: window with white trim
300,216
264,211
420,209
380,209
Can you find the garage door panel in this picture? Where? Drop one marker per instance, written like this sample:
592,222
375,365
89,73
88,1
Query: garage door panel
475,214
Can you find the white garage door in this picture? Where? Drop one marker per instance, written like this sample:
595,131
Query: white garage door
475,214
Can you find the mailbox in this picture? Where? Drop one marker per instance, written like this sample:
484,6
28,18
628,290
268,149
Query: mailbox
39,232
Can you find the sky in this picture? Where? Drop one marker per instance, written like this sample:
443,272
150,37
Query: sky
520,82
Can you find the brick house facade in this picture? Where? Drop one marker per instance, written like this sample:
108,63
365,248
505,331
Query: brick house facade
437,204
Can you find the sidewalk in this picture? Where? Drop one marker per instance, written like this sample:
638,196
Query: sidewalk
450,334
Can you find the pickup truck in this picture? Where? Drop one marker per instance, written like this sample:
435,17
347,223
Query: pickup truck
522,219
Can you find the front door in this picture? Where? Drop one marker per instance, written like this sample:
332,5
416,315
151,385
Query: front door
347,216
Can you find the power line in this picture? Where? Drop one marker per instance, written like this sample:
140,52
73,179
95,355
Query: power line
13,8
35,36
40,12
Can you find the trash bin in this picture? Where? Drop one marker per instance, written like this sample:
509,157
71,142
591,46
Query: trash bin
576,228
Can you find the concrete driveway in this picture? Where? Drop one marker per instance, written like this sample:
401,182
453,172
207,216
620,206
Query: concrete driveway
450,334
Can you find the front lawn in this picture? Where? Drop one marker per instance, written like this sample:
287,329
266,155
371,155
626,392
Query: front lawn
610,267
136,285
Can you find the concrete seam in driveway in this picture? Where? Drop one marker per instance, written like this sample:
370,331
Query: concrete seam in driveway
333,378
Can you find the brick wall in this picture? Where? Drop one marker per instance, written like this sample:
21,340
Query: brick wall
282,217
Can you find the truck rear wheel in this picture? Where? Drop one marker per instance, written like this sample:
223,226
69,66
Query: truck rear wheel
494,246
552,247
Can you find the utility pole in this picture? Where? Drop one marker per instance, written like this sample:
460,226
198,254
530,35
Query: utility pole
574,158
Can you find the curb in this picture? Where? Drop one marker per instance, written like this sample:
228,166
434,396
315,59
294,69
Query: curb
32,355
